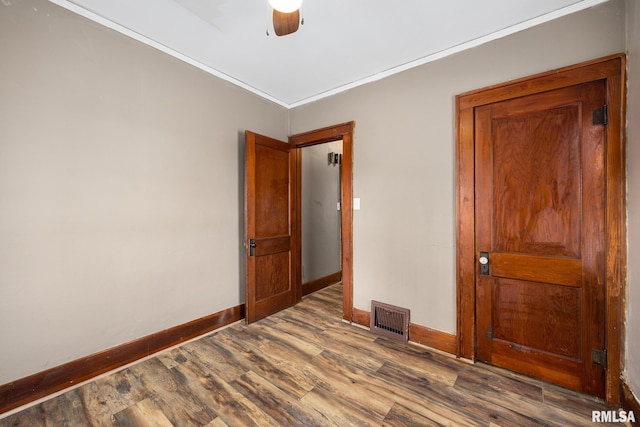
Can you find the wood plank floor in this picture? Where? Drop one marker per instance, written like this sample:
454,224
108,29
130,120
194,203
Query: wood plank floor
305,367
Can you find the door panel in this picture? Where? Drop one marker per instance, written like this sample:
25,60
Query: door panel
540,216
272,188
270,212
536,192
521,306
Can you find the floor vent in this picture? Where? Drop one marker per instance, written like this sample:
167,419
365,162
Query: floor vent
390,321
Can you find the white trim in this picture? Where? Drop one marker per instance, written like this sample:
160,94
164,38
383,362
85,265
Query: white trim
586,4
576,7
165,49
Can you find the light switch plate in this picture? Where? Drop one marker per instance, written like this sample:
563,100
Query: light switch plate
356,204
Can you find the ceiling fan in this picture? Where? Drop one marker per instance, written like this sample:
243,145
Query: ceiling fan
286,16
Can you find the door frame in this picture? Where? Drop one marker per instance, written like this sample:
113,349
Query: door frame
611,69
342,132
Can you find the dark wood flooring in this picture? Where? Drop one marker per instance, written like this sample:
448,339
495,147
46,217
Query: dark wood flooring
305,367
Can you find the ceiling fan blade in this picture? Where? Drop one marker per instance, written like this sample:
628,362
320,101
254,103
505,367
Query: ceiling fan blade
286,23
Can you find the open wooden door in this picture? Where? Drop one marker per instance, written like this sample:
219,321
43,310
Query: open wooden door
540,236
270,221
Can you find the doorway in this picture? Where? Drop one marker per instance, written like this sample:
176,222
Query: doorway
342,132
273,230
540,225
320,215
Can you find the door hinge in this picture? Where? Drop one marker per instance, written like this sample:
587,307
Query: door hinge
600,116
599,357
489,333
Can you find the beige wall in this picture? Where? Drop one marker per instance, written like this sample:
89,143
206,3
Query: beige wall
632,368
404,236
120,188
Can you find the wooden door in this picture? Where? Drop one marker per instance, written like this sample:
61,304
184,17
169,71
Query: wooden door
540,221
270,218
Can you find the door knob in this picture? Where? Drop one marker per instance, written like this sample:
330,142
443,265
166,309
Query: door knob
484,263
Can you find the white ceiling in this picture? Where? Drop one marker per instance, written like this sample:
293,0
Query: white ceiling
342,44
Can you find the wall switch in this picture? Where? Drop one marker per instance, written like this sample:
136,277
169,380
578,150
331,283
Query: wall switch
338,207
356,204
